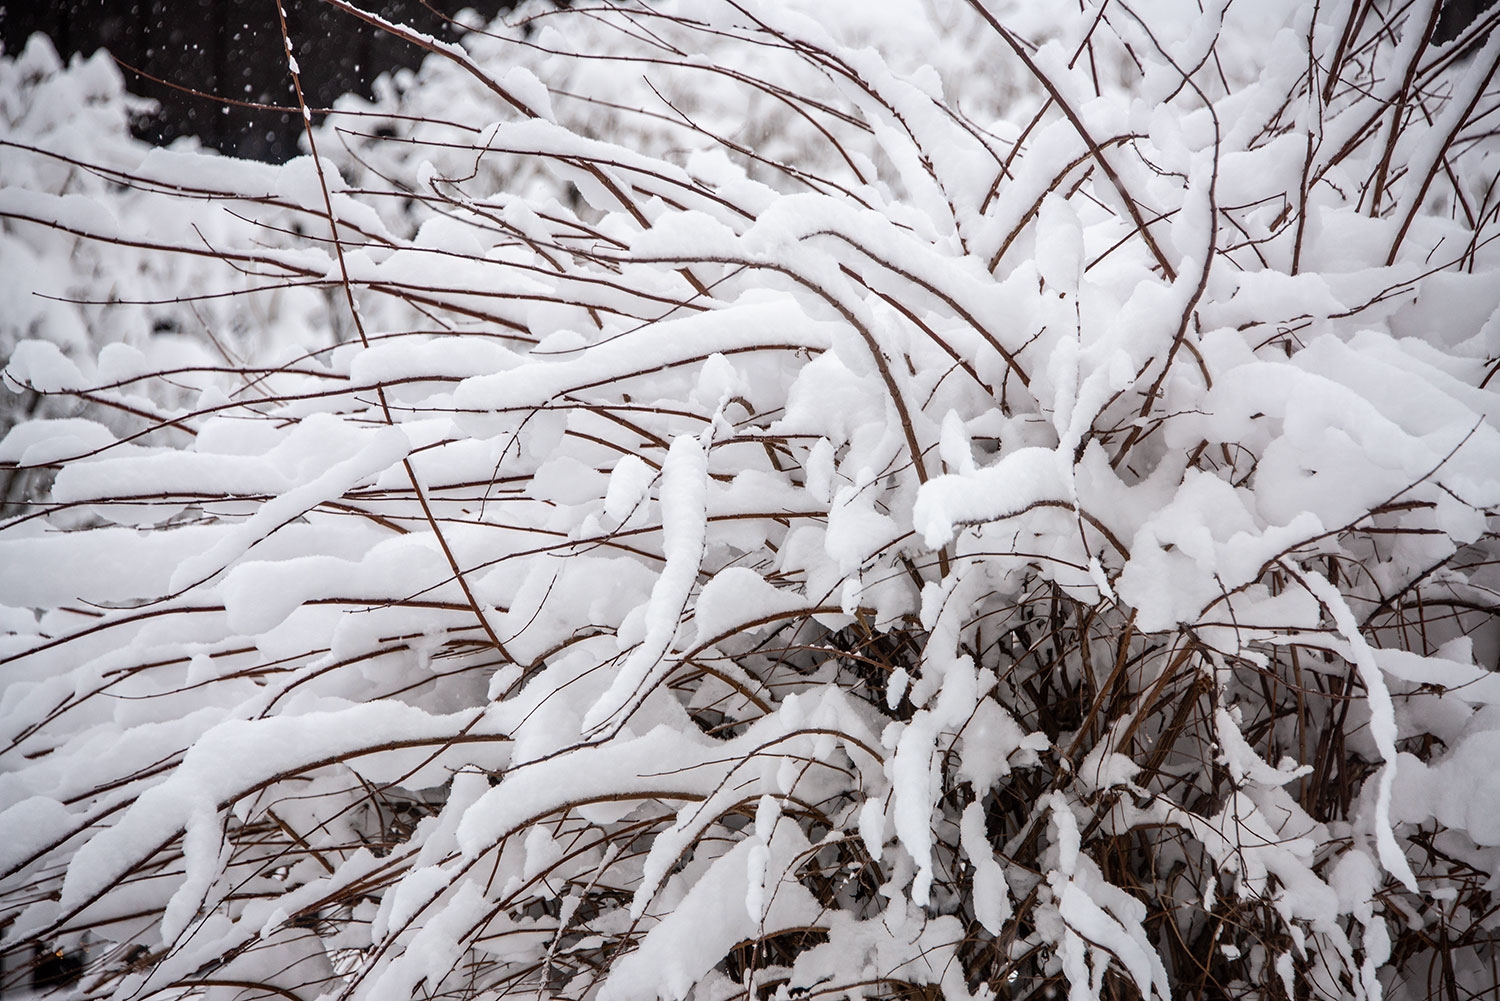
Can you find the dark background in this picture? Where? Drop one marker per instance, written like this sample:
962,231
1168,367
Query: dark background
233,49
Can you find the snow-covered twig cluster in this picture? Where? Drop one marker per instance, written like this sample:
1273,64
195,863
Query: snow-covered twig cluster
740,501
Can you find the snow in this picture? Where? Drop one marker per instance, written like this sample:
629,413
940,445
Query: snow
1382,721
628,483
684,527
29,826
1020,481
737,597
682,947
992,905
43,442
773,510
42,366
1091,923
386,447
1462,791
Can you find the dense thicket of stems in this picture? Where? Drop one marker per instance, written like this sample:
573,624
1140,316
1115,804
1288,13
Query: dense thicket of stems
742,501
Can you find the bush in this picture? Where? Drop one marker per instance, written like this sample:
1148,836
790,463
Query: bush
734,501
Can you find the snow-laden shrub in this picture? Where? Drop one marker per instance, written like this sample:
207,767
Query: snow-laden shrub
1019,525
107,241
